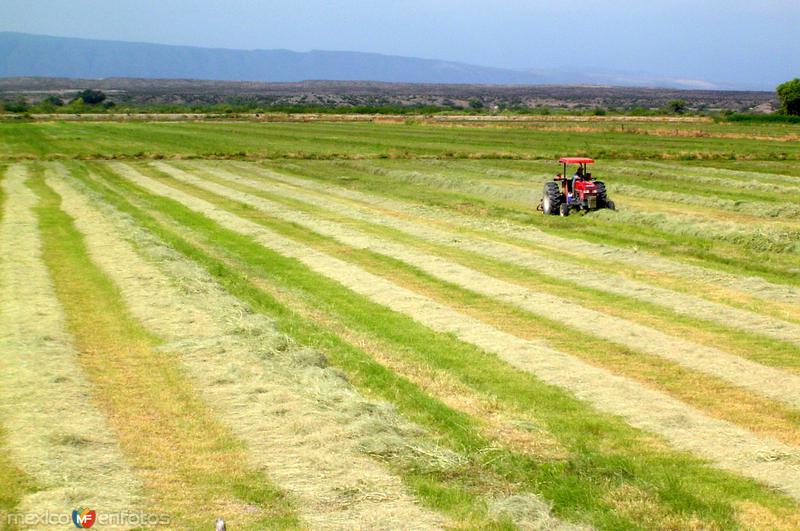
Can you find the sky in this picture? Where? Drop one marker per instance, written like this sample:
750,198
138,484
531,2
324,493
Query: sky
744,44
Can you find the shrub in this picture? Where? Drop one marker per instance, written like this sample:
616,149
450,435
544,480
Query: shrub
761,118
19,105
53,100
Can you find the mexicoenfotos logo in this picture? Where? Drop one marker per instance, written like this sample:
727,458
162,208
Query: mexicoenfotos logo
83,518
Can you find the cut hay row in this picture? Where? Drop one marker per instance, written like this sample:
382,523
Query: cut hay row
767,381
55,432
764,209
729,446
278,398
759,238
654,205
750,285
744,180
678,302
498,421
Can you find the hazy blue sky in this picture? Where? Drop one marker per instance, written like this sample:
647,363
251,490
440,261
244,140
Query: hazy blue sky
754,43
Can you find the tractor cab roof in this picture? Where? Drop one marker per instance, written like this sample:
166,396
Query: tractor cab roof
576,160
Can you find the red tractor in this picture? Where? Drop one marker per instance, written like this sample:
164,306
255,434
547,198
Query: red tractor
579,192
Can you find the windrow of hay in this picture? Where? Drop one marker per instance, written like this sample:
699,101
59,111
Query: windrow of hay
745,180
728,446
517,429
750,285
756,238
682,303
55,432
767,381
301,421
752,208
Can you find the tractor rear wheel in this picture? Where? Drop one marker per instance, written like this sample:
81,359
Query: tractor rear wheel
551,198
602,194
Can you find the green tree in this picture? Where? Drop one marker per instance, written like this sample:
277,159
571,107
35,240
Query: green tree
789,94
91,97
476,104
676,106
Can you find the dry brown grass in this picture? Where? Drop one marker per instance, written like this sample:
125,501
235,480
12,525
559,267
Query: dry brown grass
643,507
756,517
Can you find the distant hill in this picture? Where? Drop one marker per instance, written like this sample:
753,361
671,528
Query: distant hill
139,91
37,55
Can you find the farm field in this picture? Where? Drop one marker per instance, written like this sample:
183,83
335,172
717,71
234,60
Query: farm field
368,325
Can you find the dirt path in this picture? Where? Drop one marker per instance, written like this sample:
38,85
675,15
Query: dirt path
727,445
55,432
283,411
679,302
767,381
754,286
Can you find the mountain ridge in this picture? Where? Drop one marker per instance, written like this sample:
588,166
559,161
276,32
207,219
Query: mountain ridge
28,55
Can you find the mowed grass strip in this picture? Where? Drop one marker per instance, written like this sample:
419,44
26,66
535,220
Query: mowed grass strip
758,341
681,485
193,469
14,483
713,395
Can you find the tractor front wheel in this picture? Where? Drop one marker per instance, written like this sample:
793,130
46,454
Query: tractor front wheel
610,205
551,198
564,210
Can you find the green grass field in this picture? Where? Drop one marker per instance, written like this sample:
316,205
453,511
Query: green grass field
369,325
